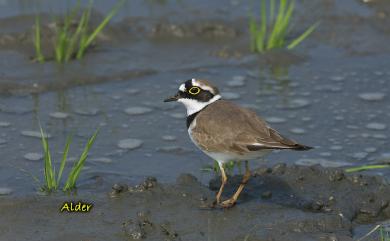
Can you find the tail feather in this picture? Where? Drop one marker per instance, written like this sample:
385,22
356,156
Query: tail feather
295,147
300,147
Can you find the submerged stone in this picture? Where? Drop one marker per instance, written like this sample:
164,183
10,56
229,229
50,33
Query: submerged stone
337,78
321,161
137,110
132,91
168,138
372,96
275,120
370,149
2,141
237,81
379,136
88,112
5,191
298,131
32,156
336,148
360,155
376,126
230,95
325,154
59,115
130,144
173,149
4,124
35,134
101,160
298,103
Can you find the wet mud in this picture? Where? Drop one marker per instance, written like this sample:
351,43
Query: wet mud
279,203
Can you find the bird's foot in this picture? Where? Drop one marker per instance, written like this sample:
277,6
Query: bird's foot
216,202
208,206
228,203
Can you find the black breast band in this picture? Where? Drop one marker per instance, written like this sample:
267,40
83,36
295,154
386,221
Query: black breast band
191,118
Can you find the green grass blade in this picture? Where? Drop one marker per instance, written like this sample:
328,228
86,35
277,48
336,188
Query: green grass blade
63,36
367,167
303,36
64,159
283,25
274,39
37,41
252,32
60,47
76,35
263,28
75,172
271,10
99,28
48,171
216,167
84,33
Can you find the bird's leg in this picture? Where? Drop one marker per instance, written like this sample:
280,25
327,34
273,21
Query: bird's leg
223,182
230,202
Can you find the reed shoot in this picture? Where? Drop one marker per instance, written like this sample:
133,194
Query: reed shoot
272,30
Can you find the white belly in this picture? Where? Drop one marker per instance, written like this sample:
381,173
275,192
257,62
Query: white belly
227,157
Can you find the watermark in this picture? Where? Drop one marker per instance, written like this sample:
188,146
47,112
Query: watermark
76,207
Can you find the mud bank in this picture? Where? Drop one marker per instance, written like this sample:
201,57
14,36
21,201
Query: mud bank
279,203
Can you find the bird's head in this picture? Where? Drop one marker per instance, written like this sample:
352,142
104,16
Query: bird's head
195,95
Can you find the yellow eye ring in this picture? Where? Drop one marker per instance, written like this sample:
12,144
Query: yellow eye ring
194,90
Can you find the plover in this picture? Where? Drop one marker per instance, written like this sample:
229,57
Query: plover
227,132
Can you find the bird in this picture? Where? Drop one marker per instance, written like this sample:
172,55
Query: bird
227,132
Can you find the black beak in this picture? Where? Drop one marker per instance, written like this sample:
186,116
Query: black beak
172,98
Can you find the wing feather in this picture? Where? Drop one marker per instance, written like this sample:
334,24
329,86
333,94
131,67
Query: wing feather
226,126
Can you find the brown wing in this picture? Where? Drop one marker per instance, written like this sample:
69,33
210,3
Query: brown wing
236,129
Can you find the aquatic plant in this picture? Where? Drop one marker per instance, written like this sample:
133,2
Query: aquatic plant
70,43
272,30
367,167
53,179
37,41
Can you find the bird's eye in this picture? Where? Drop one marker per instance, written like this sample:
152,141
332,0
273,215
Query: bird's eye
194,90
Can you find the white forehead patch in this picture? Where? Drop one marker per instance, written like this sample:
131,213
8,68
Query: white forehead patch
202,86
182,88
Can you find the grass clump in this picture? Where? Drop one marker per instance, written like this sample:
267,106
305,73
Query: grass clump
272,30
72,43
52,178
37,41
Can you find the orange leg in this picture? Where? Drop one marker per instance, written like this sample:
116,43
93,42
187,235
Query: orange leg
232,201
223,182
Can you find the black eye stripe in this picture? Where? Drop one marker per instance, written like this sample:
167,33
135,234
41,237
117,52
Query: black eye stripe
203,96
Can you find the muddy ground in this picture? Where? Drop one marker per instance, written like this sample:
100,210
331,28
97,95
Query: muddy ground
279,203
